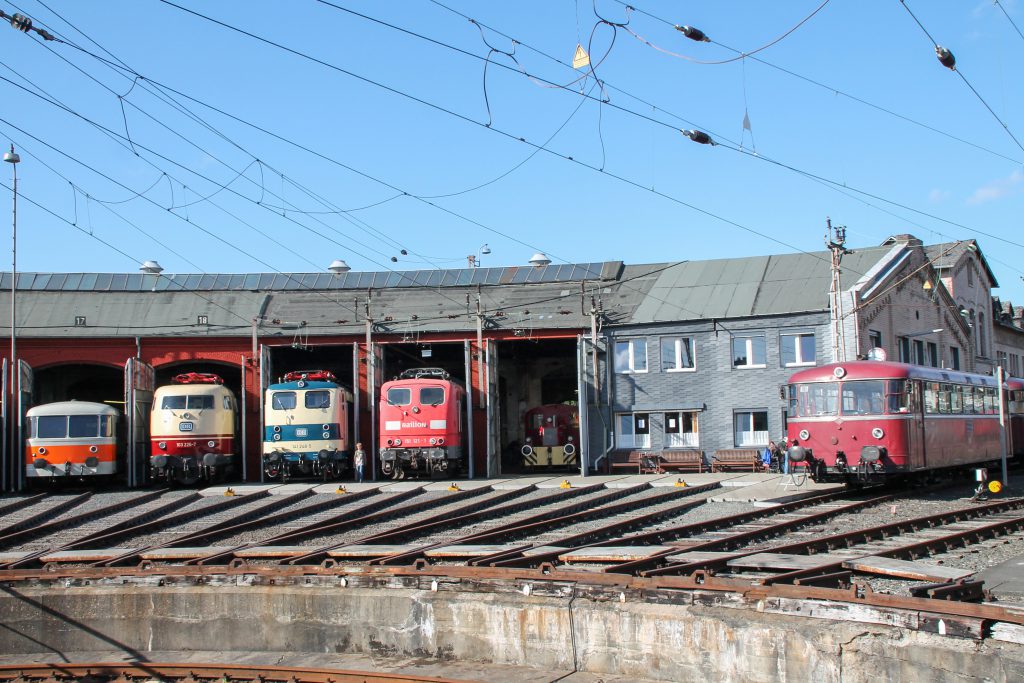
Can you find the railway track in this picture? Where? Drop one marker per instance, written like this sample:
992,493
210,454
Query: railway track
99,672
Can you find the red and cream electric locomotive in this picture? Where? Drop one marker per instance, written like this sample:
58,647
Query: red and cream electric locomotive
421,424
866,420
552,435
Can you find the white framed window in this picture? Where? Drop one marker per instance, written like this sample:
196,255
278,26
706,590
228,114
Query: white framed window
631,355
677,354
748,351
797,349
750,428
634,430
681,430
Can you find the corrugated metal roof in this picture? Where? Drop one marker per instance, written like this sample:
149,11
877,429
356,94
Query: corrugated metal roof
522,299
146,282
754,286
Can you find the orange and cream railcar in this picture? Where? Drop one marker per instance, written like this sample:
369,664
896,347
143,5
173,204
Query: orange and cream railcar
192,429
71,439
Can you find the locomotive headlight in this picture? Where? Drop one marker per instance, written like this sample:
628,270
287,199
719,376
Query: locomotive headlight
211,444
42,450
277,437
398,442
162,445
570,438
440,440
277,428
391,442
415,409
877,432
93,449
804,435
326,428
433,441
327,435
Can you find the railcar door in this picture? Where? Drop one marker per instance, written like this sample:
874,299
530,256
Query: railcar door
915,426
139,385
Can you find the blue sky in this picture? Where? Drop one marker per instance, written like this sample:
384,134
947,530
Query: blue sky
154,133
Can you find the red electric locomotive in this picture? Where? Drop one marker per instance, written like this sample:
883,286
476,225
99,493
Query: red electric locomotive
421,424
552,435
873,419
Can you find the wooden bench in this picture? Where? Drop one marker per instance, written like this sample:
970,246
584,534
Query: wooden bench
656,462
742,459
683,461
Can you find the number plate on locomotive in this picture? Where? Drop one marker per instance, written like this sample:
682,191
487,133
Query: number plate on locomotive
301,431
185,426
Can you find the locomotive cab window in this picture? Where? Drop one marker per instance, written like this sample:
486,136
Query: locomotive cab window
318,399
173,403
399,396
433,396
283,400
200,402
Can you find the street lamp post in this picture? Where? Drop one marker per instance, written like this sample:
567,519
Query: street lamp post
12,158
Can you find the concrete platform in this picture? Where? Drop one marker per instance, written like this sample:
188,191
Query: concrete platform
346,487
291,489
1005,580
465,484
577,481
770,488
238,489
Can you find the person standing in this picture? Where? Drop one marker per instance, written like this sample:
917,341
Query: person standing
359,460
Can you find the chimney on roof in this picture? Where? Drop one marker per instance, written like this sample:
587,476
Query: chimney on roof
906,237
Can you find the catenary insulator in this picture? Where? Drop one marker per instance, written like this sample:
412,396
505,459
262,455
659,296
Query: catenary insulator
699,136
946,57
21,23
693,34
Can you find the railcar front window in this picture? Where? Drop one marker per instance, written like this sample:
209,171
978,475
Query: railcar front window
83,426
399,396
812,400
282,400
318,399
51,427
864,397
173,403
433,396
107,425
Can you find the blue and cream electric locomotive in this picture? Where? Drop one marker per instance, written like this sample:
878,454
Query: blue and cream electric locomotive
305,427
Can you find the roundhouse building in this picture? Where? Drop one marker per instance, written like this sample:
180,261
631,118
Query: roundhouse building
688,355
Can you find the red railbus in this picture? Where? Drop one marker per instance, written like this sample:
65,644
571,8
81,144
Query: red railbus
872,419
552,435
1015,410
421,424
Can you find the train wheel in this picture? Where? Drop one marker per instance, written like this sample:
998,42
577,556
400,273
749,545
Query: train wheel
397,472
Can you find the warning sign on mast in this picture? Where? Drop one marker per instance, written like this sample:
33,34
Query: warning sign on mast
581,59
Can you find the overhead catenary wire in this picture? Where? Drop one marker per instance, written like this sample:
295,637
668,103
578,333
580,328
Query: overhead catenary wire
945,57
500,131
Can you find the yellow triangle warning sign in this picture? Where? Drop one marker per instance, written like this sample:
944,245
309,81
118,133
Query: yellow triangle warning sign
581,59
